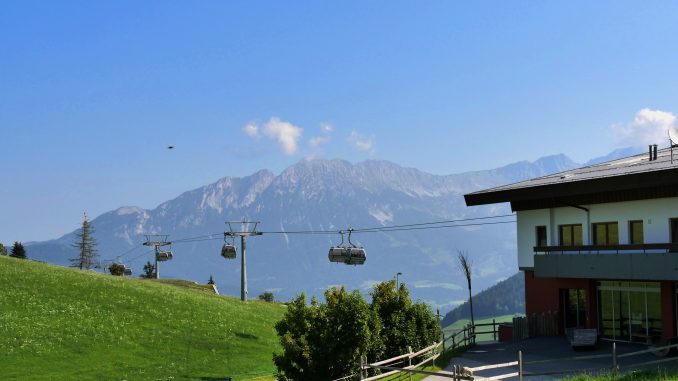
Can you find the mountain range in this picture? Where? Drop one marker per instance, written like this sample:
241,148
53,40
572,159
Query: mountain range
325,195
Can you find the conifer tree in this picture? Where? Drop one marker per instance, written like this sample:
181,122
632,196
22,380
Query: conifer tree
149,271
86,245
18,250
3,249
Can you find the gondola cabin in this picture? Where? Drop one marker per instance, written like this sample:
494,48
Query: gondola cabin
163,256
228,251
338,254
357,256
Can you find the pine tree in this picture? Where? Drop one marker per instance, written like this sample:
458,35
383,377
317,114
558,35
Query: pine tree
3,249
149,271
86,245
18,250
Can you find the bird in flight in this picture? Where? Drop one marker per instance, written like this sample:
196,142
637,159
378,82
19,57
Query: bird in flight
170,147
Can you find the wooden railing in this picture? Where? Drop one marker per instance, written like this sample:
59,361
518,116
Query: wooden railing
636,247
468,335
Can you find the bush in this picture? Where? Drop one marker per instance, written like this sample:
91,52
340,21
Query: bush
325,341
116,269
266,296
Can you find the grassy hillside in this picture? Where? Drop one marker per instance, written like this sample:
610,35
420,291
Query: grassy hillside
504,298
63,324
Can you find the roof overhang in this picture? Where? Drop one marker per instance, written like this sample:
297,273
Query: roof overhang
632,186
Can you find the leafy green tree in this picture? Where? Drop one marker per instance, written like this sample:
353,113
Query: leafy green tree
294,362
325,341
3,249
149,271
18,250
392,307
403,323
116,269
86,245
266,296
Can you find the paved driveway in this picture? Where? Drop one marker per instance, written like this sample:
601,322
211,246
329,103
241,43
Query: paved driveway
548,348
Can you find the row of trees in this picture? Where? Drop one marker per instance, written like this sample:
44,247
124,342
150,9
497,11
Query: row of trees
324,341
18,250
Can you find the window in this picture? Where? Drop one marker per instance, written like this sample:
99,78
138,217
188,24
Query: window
606,233
541,236
673,223
570,235
636,232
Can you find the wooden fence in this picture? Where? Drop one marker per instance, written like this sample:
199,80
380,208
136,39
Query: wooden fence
468,335
536,325
428,354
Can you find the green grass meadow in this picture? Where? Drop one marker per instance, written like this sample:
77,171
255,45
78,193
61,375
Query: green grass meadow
65,324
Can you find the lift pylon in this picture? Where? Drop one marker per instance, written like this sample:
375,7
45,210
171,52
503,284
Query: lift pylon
247,228
158,241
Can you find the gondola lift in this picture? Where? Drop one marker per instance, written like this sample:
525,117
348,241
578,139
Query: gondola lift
349,254
228,251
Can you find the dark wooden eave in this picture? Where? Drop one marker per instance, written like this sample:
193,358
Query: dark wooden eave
625,187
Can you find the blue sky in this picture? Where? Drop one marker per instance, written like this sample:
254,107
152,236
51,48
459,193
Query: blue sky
92,92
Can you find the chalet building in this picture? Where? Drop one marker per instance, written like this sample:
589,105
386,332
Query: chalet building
599,245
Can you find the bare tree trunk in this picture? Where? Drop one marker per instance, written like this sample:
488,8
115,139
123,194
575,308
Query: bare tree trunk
465,264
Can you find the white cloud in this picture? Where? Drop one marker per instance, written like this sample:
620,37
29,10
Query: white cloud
251,130
648,127
431,284
369,284
326,128
361,142
285,133
318,141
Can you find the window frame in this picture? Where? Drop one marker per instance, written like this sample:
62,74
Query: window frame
560,234
536,236
673,230
642,231
594,234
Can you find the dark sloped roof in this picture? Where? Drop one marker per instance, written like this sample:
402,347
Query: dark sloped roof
629,173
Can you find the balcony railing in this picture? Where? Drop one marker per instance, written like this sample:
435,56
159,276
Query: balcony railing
645,248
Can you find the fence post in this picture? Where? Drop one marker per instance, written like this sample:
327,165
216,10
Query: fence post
520,365
361,366
614,358
409,360
494,330
473,334
433,354
465,335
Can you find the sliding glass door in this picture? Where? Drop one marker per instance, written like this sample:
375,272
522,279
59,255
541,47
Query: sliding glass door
629,311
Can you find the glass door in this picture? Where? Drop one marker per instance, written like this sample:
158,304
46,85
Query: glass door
630,311
573,302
